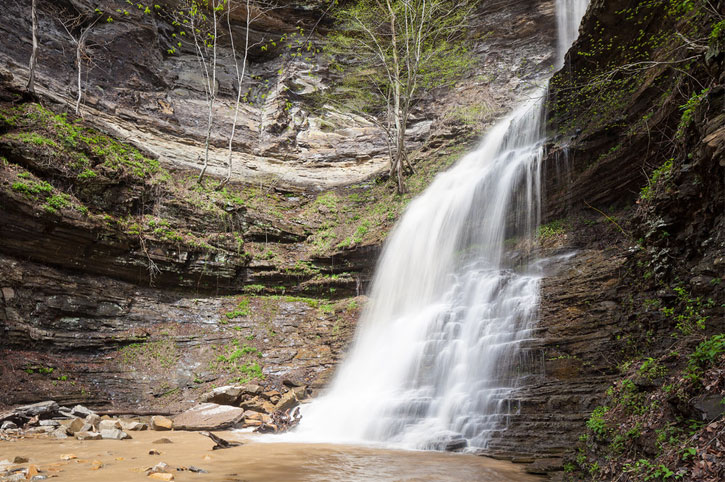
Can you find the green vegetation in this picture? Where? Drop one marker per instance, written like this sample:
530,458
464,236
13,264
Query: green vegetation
162,352
391,71
596,422
552,229
242,309
689,312
688,110
238,361
661,174
32,188
706,354
74,142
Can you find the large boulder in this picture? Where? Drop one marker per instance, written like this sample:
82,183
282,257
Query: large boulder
227,395
209,416
26,412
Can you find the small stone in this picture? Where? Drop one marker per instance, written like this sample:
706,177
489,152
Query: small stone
88,436
96,465
49,423
32,471
159,422
8,293
154,452
197,470
109,425
19,459
162,441
160,467
68,457
161,476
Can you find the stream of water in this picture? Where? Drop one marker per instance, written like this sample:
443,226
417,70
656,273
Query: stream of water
438,350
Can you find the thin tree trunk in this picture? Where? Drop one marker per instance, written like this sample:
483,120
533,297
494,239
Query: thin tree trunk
400,136
212,94
240,80
79,64
34,55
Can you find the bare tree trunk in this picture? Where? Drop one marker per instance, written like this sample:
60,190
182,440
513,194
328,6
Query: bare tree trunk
240,80
211,81
79,65
399,133
34,55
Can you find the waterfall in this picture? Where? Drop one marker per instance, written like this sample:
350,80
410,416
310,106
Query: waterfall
438,350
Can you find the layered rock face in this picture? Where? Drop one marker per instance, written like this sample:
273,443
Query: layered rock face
126,284
134,88
634,200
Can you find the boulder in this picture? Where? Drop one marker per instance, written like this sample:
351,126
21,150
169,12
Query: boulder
93,420
133,426
8,425
49,423
59,433
109,425
81,411
159,422
300,392
227,395
209,416
23,414
287,401
88,436
290,383
114,434
272,395
258,404
77,425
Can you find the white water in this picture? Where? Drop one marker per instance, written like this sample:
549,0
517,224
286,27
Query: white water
439,345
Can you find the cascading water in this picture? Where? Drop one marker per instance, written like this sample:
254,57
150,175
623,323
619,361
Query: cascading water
438,347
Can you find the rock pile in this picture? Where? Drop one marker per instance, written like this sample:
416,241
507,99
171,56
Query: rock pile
247,405
51,420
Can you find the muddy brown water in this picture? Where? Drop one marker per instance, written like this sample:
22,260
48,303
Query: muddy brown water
121,460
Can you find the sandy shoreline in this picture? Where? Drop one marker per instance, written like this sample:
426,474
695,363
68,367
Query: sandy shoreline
121,460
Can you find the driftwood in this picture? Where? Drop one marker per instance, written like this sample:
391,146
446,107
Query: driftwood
220,442
281,421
